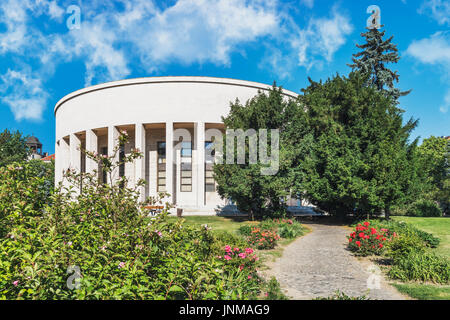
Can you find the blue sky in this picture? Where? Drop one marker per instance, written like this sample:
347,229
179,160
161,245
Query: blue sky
42,59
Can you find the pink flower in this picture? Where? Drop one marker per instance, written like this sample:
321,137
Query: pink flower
249,250
236,249
227,248
242,255
121,265
227,257
249,277
15,283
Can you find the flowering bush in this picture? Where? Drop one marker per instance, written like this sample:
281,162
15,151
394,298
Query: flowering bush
285,228
367,240
99,243
263,239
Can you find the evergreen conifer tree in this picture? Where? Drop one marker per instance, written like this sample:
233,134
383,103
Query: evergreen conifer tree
373,59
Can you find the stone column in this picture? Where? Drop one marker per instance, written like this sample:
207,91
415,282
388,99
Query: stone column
139,143
113,135
92,146
62,160
58,166
200,162
169,160
75,153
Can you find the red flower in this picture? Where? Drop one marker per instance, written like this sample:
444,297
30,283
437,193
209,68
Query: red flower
350,240
361,234
366,223
358,243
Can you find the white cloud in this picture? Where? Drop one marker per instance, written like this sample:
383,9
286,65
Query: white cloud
201,31
439,10
321,38
446,104
434,50
116,34
24,94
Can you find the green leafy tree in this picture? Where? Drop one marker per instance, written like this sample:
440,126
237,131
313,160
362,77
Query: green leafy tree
13,147
372,60
360,156
252,191
433,157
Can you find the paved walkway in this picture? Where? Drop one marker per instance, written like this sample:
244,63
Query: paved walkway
318,264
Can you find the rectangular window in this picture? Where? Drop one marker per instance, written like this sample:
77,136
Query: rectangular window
186,167
210,184
161,150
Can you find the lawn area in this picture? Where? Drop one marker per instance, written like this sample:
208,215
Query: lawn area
217,223
440,227
424,292
232,225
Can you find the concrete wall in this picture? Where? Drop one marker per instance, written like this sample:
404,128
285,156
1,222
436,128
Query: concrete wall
153,107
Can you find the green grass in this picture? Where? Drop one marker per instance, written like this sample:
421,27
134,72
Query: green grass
217,223
439,227
232,225
423,291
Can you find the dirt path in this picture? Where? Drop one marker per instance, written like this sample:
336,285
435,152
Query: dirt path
318,264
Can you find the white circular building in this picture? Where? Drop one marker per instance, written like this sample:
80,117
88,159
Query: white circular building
153,111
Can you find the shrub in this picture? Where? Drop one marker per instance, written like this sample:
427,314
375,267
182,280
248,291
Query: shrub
263,239
223,238
274,290
285,228
424,208
366,240
24,191
102,236
245,230
339,295
404,229
422,266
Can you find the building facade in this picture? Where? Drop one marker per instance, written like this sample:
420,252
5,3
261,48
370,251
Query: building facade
172,120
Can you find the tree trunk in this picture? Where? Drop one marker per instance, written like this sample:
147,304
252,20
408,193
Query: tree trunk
387,212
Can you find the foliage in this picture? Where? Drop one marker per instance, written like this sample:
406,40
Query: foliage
433,163
253,192
25,189
422,266
285,228
372,60
424,208
274,290
366,240
404,230
360,158
103,232
13,147
263,239
339,295
410,253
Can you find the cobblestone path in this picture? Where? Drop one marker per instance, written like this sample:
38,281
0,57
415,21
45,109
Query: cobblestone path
318,264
